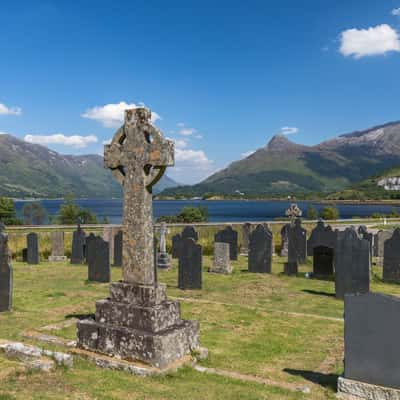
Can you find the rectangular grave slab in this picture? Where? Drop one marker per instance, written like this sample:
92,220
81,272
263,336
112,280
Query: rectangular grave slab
323,261
98,260
190,265
352,264
372,331
57,247
228,235
222,261
32,241
260,250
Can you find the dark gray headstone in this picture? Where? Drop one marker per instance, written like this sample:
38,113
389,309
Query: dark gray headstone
118,249
298,242
246,230
321,235
190,265
24,254
228,235
371,334
323,261
176,242
379,244
364,234
90,248
32,242
6,275
391,258
285,240
78,246
98,257
260,250
190,232
352,264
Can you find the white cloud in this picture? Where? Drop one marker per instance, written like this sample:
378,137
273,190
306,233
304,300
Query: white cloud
187,131
373,41
247,153
4,133
180,143
396,11
107,141
58,138
4,110
288,130
112,115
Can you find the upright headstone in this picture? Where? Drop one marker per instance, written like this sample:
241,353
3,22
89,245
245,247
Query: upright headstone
285,240
6,273
78,246
190,265
244,248
298,241
228,235
90,248
379,244
321,245
32,242
260,250
57,246
162,256
371,354
24,254
176,242
188,232
137,322
222,260
118,249
391,258
364,234
352,264
98,258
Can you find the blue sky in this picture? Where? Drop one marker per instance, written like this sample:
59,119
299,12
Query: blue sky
223,76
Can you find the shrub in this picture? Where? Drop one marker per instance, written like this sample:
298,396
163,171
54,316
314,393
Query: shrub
330,213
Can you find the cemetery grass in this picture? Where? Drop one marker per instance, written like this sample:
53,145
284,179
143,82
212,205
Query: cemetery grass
284,331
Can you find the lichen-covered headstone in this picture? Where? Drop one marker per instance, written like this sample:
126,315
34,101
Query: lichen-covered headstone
285,240
98,259
78,246
379,244
190,265
32,242
118,249
137,322
352,264
260,250
6,273
228,235
57,246
222,262
391,258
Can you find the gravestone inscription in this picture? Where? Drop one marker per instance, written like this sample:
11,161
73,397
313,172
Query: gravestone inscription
260,250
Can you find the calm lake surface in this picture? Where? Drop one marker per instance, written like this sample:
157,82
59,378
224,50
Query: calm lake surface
219,211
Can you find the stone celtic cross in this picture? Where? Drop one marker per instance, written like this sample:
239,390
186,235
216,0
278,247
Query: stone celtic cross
293,212
138,157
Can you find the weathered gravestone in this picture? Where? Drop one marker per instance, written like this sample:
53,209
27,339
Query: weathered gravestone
285,240
379,244
321,245
137,322
162,256
364,234
352,264
391,258
32,242
222,260
244,248
57,246
298,241
188,232
78,246
6,273
228,235
371,354
190,265
98,259
260,250
118,249
24,254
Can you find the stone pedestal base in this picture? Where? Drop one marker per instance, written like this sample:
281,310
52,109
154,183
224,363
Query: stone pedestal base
58,258
360,390
139,323
290,268
163,261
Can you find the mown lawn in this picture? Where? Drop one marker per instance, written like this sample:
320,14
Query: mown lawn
287,331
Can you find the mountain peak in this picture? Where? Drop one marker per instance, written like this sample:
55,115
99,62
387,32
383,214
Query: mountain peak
279,142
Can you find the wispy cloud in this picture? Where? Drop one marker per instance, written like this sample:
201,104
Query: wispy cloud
185,131
396,11
4,110
247,153
373,41
112,115
288,130
76,141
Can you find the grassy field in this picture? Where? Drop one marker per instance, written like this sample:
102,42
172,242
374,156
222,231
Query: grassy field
278,334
